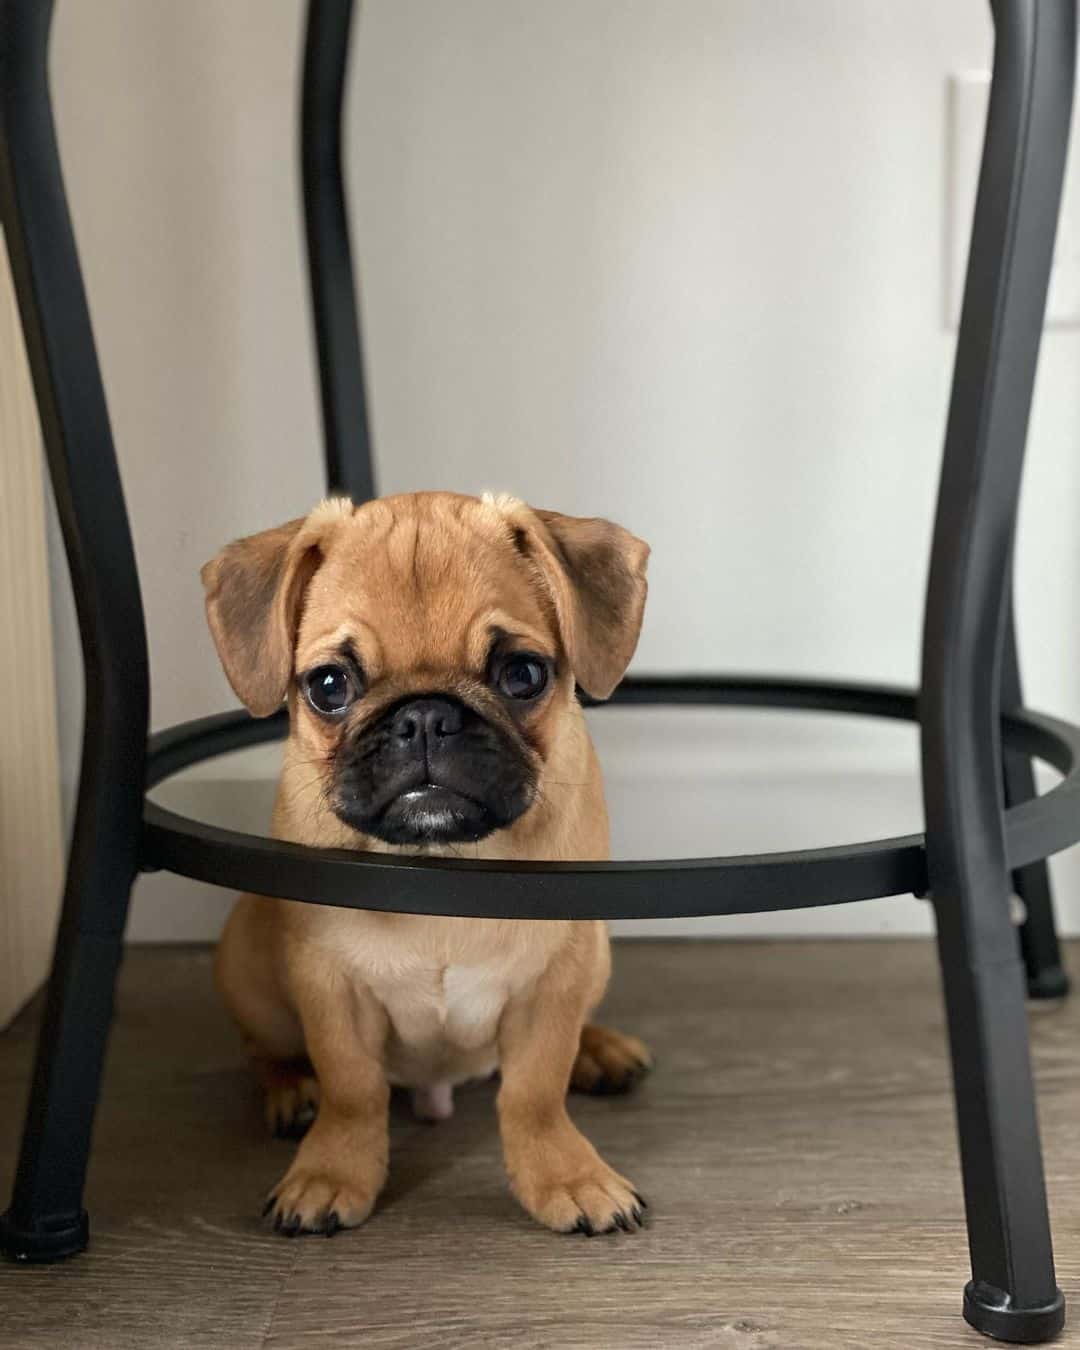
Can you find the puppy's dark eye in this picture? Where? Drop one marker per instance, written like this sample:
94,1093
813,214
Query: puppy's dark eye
330,690
522,677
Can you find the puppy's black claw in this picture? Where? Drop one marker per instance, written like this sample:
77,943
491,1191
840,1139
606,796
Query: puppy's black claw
292,1228
267,1206
333,1223
622,1222
638,1218
295,1128
641,1200
584,1226
612,1087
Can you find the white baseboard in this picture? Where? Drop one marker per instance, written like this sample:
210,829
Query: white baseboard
679,783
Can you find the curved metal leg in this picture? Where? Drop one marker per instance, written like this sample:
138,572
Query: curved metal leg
1013,1293
46,1220
1046,978
347,443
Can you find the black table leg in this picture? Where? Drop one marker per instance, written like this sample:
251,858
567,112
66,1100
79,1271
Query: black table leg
1046,978
1013,1293
346,436
46,1220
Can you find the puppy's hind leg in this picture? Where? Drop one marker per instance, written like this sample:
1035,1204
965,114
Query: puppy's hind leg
245,970
609,1062
290,1094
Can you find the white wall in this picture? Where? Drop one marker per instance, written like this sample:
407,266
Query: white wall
674,261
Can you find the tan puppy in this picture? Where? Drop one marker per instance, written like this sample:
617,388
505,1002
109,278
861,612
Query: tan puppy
428,647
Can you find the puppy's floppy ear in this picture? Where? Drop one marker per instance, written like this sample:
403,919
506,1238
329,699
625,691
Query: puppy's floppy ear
254,596
595,573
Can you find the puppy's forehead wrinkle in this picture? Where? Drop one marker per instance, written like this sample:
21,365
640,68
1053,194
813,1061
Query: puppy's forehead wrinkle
353,640
402,544
497,628
418,581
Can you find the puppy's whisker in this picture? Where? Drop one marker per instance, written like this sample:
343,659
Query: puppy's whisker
315,782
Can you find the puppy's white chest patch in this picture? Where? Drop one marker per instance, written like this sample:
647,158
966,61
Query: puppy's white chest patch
444,986
473,999
453,1007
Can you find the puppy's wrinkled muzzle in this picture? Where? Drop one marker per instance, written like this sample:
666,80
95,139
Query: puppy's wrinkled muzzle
431,770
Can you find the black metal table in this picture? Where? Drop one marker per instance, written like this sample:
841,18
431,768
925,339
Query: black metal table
986,830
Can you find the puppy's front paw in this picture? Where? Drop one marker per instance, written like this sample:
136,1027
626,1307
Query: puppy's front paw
313,1201
333,1182
609,1062
572,1190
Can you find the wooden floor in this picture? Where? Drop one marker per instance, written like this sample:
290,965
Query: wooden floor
795,1143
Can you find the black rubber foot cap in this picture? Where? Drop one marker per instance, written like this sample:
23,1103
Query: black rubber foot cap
50,1242
1049,983
991,1311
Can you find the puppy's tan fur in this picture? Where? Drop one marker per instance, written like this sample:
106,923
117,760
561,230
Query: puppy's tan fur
336,1005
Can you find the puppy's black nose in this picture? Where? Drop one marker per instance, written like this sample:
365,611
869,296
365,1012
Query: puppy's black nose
427,719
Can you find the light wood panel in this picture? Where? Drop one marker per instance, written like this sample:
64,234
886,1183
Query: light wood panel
30,829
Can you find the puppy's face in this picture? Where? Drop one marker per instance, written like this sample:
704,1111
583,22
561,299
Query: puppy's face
427,673
428,646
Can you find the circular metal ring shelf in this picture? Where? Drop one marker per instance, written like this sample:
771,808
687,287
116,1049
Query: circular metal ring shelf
675,888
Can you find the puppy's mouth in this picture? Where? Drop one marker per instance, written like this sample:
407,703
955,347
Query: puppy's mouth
434,814
429,814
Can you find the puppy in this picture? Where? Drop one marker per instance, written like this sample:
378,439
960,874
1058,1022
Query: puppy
428,647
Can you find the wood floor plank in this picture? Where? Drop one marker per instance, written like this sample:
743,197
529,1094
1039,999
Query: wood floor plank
796,1144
